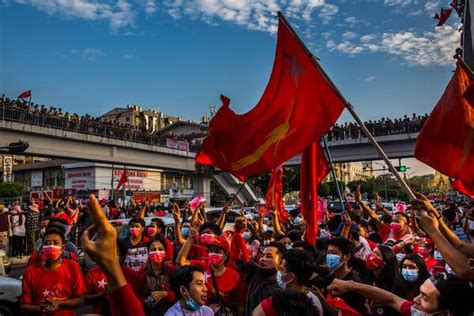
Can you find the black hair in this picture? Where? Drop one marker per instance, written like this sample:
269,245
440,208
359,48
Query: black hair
54,231
159,238
281,250
158,222
310,249
137,220
291,302
389,278
55,220
299,262
423,273
212,226
294,235
268,234
183,276
455,294
345,245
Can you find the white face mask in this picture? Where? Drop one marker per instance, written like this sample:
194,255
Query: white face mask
417,312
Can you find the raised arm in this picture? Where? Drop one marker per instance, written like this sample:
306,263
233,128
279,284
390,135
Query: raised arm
367,210
141,213
223,217
178,236
374,294
182,257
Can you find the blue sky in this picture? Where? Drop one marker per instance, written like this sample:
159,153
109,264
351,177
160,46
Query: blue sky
178,56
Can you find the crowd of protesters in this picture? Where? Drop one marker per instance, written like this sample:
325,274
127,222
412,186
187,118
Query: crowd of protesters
382,127
19,110
31,113
365,261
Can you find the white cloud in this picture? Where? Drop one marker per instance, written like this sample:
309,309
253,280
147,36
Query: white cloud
369,78
327,13
415,13
119,14
90,54
348,35
129,56
424,49
149,6
398,3
431,6
352,20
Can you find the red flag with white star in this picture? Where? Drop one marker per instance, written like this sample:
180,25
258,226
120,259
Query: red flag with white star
297,107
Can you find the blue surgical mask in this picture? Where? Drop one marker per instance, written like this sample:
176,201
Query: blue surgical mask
417,312
333,261
185,231
279,279
190,303
411,275
298,220
246,235
438,256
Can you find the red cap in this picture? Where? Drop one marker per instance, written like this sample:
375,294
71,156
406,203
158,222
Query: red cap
217,241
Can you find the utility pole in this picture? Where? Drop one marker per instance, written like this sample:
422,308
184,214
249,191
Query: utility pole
112,183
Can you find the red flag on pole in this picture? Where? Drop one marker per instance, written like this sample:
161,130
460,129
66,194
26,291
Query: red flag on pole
274,196
446,142
314,168
459,186
123,179
24,95
443,16
296,109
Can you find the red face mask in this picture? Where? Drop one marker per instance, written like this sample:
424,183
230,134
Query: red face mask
157,256
151,231
395,227
373,262
422,252
215,259
51,252
135,232
206,238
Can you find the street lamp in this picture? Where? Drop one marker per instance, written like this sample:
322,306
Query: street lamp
14,148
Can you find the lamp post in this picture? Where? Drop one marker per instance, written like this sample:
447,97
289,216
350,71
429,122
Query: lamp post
384,178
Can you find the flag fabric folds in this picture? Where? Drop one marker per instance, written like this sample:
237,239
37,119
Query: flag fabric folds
443,16
25,94
314,168
274,196
446,142
123,179
297,107
459,186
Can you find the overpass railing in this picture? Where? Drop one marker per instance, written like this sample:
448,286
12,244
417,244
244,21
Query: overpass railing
90,127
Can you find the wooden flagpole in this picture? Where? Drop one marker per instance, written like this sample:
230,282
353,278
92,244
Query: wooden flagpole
352,111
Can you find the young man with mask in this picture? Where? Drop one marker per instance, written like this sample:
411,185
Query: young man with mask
136,246
262,278
339,252
438,296
295,271
156,228
55,286
189,285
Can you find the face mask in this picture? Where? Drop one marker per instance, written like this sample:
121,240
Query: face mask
266,242
417,312
246,235
400,256
288,246
190,303
410,275
422,252
395,227
279,279
135,232
51,252
206,238
438,256
185,231
151,231
373,261
333,261
298,220
215,259
157,256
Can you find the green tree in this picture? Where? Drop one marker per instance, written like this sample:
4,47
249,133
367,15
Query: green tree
324,189
11,189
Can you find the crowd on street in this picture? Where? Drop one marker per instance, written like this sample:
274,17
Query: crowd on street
366,261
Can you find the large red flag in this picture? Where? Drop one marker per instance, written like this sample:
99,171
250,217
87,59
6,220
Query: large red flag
446,141
274,196
25,94
296,109
123,179
459,186
314,168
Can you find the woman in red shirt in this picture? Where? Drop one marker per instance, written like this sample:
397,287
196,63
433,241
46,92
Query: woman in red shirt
230,290
55,286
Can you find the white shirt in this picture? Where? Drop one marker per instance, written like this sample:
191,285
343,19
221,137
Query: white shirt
316,302
176,310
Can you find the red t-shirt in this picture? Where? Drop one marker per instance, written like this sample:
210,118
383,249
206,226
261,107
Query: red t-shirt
230,284
64,283
384,231
65,217
96,282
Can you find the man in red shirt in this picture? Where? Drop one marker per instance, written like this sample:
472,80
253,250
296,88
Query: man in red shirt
55,286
